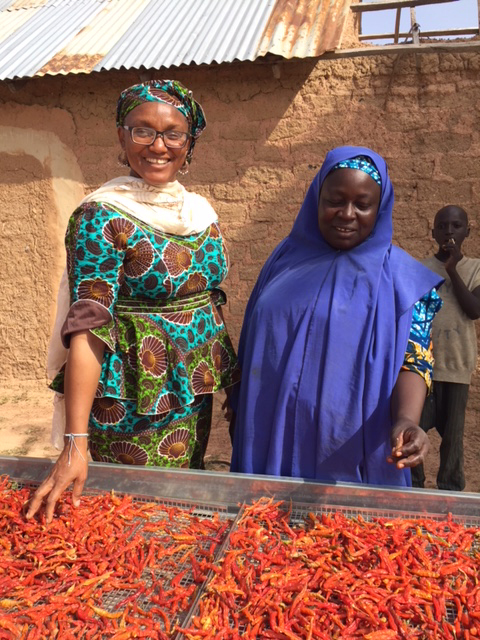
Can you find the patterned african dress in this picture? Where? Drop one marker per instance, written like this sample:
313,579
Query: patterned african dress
152,298
419,353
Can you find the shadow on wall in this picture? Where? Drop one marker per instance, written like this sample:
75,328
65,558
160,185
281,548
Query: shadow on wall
28,252
36,203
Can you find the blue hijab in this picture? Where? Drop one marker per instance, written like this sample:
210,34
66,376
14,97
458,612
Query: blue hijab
323,340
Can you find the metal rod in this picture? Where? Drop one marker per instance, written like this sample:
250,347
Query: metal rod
228,490
422,47
423,34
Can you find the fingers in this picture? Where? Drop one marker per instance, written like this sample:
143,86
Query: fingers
77,491
62,475
409,448
231,428
412,452
396,448
227,410
53,497
36,501
414,459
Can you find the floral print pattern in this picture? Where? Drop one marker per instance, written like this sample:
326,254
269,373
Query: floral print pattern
108,410
202,379
138,259
175,444
176,439
153,356
220,357
166,344
196,282
128,453
97,290
177,258
117,231
419,355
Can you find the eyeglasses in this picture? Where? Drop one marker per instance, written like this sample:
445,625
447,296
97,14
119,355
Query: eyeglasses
171,139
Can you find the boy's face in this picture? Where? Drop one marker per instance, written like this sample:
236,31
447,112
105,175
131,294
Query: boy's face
450,227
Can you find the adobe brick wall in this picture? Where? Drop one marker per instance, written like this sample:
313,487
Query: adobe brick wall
265,140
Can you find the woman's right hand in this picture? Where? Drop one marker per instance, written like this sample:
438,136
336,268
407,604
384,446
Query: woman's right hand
231,427
63,473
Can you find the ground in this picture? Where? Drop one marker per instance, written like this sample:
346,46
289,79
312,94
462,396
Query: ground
25,417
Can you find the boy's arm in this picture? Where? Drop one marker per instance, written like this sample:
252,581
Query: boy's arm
469,301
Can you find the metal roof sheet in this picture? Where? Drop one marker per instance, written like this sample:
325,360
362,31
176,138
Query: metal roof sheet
39,37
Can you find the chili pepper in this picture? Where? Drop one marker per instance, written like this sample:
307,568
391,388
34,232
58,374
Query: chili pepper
353,567
56,579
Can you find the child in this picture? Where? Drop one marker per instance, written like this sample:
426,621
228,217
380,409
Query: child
454,345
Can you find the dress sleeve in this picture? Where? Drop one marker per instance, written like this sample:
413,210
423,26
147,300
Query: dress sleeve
96,244
419,354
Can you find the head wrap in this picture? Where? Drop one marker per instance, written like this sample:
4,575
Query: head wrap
323,341
169,92
360,163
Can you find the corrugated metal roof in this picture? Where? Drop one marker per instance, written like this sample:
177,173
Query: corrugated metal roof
39,37
302,28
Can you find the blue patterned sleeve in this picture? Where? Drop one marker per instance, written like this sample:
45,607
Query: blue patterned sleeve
419,354
96,243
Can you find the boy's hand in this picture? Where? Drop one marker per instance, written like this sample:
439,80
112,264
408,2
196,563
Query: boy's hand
455,255
409,444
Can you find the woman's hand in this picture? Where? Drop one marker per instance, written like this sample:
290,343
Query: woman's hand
229,414
409,444
231,427
226,408
409,441
71,466
82,373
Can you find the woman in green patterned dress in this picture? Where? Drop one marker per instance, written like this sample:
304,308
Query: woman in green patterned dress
142,345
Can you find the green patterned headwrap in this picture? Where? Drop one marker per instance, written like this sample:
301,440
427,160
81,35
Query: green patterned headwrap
169,92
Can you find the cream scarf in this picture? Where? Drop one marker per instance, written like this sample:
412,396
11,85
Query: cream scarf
168,208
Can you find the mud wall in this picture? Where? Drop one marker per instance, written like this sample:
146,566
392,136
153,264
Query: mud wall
269,126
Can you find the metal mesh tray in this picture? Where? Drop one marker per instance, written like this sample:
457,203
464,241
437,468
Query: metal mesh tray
223,493
299,513
163,573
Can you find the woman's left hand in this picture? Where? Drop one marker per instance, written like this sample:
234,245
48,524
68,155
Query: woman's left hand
409,444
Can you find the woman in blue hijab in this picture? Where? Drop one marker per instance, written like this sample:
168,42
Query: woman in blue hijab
335,347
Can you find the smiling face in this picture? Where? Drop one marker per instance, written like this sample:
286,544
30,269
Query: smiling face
347,208
155,163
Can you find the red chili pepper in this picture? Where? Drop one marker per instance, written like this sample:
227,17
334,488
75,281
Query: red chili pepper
340,571
54,580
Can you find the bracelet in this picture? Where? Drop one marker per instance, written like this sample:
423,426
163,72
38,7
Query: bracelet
71,437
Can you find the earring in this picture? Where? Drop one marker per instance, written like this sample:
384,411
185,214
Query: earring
184,170
122,159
